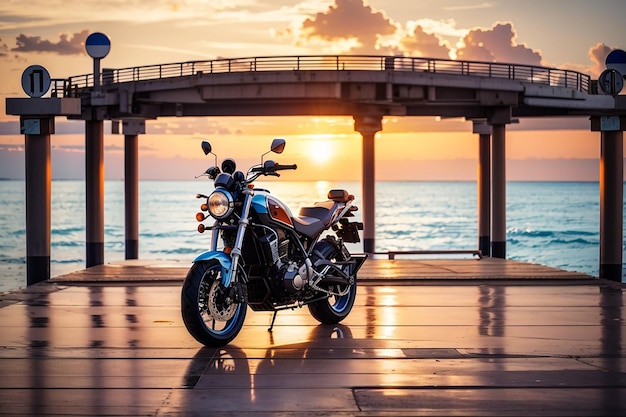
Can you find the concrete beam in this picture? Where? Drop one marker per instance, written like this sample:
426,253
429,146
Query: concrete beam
52,106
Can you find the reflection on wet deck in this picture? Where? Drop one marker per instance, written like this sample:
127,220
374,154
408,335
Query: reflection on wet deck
485,348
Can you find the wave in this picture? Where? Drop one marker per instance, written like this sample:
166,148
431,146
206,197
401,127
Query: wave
574,242
158,235
177,251
68,261
530,233
68,231
67,244
13,260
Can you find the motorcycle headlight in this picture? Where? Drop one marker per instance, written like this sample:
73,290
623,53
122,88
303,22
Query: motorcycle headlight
220,204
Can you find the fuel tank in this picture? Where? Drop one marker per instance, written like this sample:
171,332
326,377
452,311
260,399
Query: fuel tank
271,210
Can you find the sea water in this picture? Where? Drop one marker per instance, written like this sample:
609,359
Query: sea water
550,223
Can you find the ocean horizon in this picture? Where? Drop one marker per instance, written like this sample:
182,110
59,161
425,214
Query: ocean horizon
549,223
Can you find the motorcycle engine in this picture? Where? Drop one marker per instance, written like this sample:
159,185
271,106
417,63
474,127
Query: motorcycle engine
294,276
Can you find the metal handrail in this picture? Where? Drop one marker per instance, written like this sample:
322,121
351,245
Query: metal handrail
393,253
553,77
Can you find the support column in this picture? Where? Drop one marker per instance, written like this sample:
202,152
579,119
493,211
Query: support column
131,196
611,204
367,126
37,124
611,130
498,192
94,191
38,196
483,180
131,130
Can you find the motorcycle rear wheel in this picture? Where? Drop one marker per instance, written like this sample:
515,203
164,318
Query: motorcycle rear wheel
211,317
333,309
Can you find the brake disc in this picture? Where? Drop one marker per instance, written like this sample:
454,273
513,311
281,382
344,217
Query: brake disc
220,305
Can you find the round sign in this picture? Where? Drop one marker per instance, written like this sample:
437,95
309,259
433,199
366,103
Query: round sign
616,60
35,81
611,82
97,45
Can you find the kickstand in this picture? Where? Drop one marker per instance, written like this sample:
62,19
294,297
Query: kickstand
272,323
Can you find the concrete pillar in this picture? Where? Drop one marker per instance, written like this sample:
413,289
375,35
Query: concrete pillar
483,180
368,126
611,130
131,196
38,196
611,204
131,130
37,124
94,191
498,192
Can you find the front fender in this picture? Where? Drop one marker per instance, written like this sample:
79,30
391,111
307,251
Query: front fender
223,259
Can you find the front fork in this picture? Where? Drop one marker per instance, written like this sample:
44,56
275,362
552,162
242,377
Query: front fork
235,253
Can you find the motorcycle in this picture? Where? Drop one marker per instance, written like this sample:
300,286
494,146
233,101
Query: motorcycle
264,257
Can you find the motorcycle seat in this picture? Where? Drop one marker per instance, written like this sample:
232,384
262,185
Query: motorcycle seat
309,226
322,210
312,220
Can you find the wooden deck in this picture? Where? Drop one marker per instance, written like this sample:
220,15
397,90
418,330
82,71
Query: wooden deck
373,271
457,337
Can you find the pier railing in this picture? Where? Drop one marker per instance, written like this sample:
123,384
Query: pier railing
393,253
526,73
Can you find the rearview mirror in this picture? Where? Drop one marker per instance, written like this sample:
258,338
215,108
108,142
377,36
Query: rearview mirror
278,145
206,147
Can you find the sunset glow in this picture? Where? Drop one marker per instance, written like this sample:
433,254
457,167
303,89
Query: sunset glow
52,34
321,149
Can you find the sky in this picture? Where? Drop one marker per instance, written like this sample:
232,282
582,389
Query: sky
575,35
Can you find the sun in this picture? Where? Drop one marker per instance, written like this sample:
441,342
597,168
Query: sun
320,150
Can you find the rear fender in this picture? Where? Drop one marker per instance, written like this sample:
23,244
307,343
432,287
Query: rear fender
224,261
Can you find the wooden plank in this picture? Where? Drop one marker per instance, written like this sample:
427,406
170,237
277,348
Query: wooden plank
372,270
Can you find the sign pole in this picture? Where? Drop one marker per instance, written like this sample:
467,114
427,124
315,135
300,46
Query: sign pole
96,74
98,46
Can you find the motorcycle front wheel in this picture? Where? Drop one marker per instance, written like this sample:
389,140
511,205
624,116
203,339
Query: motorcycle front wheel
210,313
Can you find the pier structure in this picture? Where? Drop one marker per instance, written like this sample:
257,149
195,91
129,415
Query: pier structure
367,88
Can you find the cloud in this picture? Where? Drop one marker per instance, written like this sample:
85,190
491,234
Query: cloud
69,148
352,24
421,44
4,49
11,147
598,54
72,44
483,5
497,44
355,27
190,125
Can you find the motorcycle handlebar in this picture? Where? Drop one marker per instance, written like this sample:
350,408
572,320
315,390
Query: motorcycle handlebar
280,167
270,168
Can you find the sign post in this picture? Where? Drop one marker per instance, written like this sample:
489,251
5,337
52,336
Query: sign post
98,46
36,81
616,60
611,82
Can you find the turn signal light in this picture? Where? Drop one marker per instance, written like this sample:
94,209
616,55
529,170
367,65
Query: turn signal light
204,207
201,228
200,217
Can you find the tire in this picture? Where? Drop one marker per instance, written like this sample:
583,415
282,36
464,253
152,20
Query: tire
333,309
211,318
